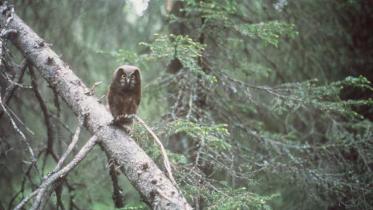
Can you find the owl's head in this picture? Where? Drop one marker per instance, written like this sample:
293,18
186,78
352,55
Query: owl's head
127,77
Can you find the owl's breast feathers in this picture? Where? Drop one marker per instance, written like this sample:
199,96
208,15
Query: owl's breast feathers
124,103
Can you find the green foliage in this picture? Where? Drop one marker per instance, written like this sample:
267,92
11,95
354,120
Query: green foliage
269,32
100,206
256,70
240,199
184,48
311,94
231,198
171,46
360,82
212,136
134,207
212,10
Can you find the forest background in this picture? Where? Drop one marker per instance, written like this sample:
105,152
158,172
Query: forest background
261,104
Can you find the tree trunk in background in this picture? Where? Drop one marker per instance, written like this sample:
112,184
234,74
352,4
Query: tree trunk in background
360,25
194,93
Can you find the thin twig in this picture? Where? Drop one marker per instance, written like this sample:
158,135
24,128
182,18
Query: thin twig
175,106
14,84
62,123
26,199
166,162
44,109
69,149
28,144
59,174
190,104
20,121
22,190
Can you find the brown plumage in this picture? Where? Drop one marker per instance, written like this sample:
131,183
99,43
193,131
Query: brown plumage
124,93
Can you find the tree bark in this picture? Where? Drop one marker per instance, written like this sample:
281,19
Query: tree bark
148,179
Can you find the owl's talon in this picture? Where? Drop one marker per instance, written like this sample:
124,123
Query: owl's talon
126,119
127,129
122,119
131,116
115,121
122,116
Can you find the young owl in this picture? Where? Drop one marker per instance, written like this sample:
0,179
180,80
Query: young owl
124,94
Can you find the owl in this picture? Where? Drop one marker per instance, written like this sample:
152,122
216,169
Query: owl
124,94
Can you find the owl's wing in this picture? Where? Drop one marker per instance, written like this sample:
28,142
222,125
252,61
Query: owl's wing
138,100
112,104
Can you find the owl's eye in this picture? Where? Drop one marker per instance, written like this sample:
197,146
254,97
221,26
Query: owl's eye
123,76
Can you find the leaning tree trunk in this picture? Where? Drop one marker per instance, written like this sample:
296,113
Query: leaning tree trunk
140,169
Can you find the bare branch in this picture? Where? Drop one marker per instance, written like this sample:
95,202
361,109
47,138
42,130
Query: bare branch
44,109
40,192
69,149
27,175
17,80
18,119
14,84
28,144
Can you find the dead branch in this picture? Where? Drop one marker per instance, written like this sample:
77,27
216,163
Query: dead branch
14,84
45,112
68,150
27,176
27,142
41,191
17,80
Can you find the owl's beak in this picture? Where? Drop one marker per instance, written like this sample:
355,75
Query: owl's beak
127,80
